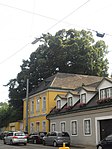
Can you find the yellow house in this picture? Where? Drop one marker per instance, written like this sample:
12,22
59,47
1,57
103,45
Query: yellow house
42,101
14,126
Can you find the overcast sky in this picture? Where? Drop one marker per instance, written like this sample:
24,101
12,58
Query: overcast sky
23,20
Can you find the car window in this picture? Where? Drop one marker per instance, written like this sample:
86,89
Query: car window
10,134
63,134
53,133
49,134
109,138
19,134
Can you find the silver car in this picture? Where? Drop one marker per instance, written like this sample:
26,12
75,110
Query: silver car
56,139
15,138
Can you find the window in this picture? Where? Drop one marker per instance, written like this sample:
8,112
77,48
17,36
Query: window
37,126
63,126
70,101
58,104
53,127
32,127
74,127
44,104
102,94
106,93
44,126
32,106
83,98
87,127
38,104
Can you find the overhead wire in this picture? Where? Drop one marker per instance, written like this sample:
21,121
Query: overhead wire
9,57
41,16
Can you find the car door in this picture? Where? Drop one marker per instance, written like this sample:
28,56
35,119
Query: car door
52,137
8,137
108,144
48,138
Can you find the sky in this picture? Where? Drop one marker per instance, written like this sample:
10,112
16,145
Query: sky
21,21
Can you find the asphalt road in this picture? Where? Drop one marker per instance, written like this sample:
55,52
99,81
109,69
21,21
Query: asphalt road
38,146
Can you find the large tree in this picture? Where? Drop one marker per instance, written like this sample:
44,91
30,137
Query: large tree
68,51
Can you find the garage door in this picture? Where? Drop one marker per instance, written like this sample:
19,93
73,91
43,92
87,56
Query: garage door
105,128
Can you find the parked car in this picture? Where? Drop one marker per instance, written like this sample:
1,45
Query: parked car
56,138
36,137
105,143
3,134
15,138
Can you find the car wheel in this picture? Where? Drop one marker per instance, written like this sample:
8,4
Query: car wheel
44,143
4,142
11,142
54,144
99,147
34,141
25,143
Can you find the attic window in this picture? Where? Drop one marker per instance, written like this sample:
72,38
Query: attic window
70,101
105,93
83,98
58,104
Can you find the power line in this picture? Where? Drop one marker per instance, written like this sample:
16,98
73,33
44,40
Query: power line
37,39
67,15
9,57
27,11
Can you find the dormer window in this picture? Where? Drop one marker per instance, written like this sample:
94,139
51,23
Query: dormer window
106,93
70,101
58,104
83,98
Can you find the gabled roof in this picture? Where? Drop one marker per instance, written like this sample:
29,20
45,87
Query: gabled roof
108,79
74,93
79,107
89,88
61,96
66,81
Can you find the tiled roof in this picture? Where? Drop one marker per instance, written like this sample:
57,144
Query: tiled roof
89,88
66,81
91,105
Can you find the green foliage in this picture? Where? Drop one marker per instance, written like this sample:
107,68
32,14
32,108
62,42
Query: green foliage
68,51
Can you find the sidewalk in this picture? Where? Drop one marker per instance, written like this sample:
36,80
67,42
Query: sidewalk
83,147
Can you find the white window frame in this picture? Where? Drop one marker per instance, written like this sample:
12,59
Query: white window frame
38,104
83,98
89,129
62,126
32,127
32,106
70,101
106,93
44,103
59,104
74,133
53,126
44,126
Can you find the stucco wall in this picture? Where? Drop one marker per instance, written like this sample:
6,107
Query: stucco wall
93,115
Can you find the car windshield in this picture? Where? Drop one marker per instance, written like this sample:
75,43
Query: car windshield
63,134
19,134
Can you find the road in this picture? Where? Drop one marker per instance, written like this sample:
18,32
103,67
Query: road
37,146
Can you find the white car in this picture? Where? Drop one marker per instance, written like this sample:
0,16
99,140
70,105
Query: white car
15,138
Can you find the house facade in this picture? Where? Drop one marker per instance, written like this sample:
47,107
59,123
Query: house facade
87,113
41,101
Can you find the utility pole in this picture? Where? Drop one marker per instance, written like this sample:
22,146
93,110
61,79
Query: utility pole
27,90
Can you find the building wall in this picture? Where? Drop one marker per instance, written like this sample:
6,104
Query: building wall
14,126
40,116
93,115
